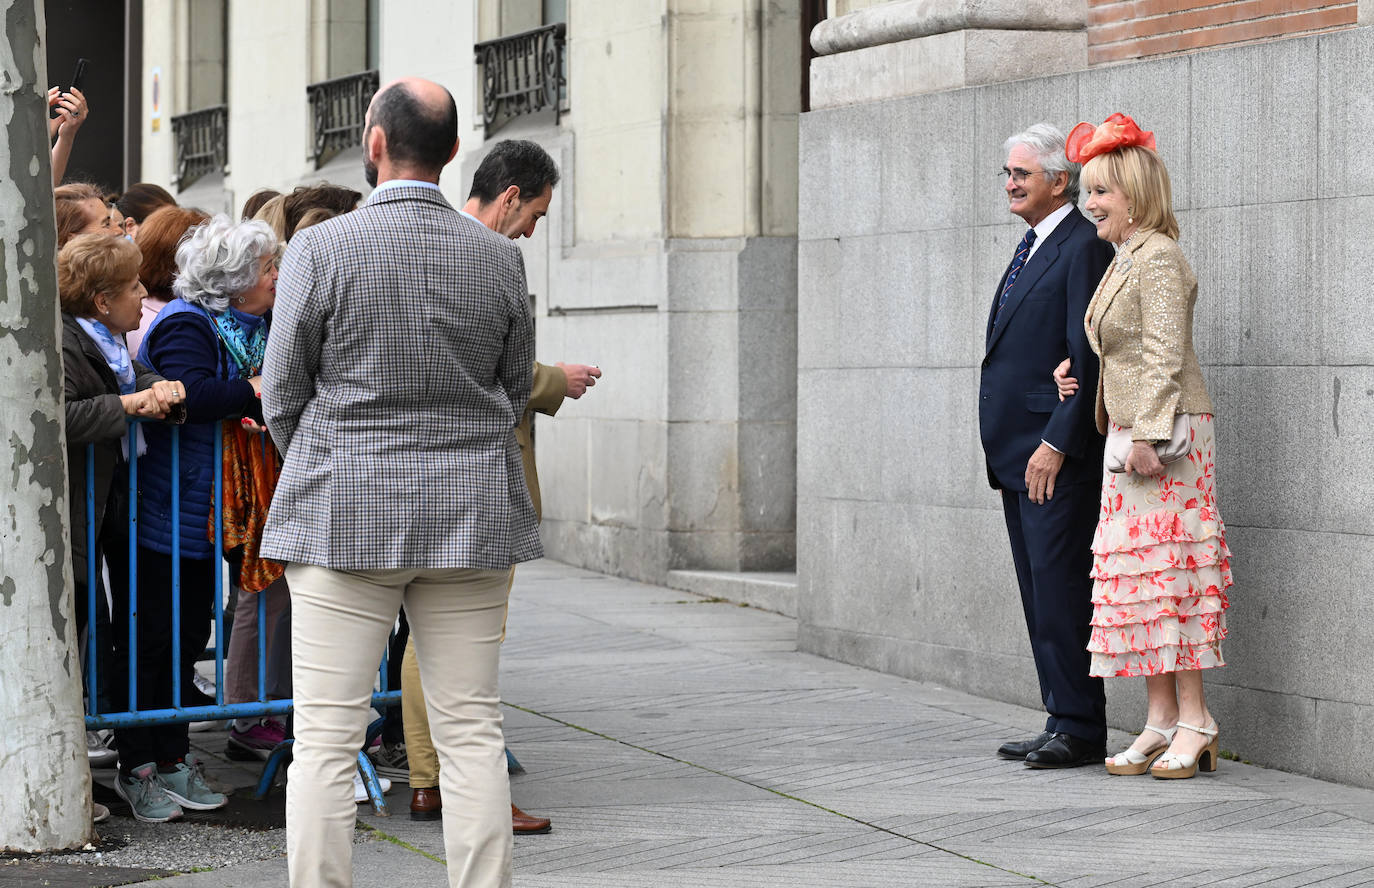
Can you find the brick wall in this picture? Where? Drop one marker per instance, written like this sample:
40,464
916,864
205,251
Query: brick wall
1133,29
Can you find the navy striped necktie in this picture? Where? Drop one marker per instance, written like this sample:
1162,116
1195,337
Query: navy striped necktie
1018,262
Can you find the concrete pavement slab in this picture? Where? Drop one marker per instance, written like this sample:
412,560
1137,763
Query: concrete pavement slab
374,863
900,775
690,744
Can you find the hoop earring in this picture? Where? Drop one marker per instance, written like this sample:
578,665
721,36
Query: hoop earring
240,299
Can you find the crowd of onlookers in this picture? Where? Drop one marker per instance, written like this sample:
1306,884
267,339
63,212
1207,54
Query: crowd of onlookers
166,311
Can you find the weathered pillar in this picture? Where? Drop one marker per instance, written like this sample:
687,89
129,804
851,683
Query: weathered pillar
47,801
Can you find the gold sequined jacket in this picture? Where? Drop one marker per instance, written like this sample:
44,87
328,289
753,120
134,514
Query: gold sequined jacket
1140,323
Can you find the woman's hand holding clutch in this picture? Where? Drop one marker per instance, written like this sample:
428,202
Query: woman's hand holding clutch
1144,460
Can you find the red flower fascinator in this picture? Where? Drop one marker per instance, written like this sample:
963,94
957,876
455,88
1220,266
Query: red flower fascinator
1118,131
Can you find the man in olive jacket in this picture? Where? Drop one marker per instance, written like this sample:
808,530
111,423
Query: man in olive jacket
510,193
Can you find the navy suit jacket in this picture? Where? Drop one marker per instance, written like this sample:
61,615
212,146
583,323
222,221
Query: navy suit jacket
1041,324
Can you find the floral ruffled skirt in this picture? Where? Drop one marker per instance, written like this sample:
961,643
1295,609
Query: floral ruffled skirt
1161,567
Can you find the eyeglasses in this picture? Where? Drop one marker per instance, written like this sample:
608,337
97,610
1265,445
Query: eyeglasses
1017,175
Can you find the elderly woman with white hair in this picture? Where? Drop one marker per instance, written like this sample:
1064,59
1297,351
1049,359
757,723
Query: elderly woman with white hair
211,338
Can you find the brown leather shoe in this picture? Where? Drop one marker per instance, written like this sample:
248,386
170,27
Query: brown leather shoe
525,825
425,803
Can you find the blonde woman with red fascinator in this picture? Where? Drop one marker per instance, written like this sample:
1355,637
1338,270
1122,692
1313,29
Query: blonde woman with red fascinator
1161,568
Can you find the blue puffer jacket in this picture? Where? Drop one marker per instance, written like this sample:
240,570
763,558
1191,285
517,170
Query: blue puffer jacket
181,344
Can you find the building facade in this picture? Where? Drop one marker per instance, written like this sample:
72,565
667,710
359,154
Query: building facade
668,256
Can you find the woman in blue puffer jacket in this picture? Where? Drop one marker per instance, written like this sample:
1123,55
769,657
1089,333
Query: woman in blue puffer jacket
211,338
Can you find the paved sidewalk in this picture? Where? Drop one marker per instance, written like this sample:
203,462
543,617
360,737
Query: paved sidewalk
680,742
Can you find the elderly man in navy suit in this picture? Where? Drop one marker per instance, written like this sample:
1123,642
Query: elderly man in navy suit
1044,455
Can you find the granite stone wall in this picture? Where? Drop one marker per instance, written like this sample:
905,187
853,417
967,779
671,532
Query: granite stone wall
902,555
684,455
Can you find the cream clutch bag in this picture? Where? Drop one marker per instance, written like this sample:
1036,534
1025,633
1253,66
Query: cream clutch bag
1119,445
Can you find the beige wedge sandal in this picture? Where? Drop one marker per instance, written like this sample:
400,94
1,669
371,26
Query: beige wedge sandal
1132,762
1181,767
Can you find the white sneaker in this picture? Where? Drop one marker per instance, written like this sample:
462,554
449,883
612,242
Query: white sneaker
98,752
206,687
217,725
203,684
360,789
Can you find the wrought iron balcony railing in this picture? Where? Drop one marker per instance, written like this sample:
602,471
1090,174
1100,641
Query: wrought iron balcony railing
522,74
339,107
202,143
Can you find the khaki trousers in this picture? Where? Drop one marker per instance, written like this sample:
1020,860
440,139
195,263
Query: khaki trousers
340,624
423,761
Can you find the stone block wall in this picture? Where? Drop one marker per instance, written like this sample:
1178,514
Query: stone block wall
672,264
683,455
902,555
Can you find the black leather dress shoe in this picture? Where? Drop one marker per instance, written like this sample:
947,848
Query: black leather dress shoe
1017,749
1066,751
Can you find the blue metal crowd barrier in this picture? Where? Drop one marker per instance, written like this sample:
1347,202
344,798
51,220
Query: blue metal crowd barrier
131,717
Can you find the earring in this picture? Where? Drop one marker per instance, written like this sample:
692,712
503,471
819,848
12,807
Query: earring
241,299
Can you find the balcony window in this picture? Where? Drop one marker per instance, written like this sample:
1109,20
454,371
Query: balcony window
522,74
339,107
202,143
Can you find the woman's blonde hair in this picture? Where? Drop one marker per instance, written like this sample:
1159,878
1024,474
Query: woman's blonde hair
1139,174
274,214
91,264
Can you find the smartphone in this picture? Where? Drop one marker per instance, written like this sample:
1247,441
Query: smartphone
79,75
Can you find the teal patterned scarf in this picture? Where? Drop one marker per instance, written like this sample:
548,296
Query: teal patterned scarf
246,349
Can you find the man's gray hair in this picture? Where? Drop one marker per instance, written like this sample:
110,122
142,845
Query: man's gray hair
219,259
1047,142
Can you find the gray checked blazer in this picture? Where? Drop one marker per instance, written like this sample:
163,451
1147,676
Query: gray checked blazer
398,365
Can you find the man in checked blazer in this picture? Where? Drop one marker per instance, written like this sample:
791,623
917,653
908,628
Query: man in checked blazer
398,366
1044,455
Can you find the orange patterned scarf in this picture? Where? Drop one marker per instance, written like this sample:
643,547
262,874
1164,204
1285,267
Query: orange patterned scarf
251,468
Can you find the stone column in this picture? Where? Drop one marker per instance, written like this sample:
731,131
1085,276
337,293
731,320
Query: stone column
671,260
734,95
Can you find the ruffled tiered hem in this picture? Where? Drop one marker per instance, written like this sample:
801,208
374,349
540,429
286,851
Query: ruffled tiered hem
1161,569
1185,557
1158,662
1125,533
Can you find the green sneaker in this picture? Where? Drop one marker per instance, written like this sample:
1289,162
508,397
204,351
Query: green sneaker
147,796
186,785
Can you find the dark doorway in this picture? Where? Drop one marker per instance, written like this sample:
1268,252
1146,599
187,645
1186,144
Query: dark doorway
813,13
109,36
